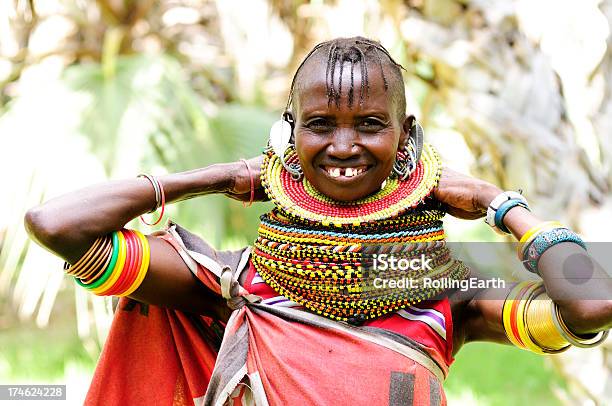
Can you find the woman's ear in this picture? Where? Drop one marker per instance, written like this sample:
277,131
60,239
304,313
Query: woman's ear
405,135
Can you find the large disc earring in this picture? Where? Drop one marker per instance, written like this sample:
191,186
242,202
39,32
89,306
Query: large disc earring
280,141
408,157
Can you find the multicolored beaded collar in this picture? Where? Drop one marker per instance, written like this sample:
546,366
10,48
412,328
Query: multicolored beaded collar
319,253
301,200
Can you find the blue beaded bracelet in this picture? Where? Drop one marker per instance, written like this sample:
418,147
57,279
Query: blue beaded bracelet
503,209
544,241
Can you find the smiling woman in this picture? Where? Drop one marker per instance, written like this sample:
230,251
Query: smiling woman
347,147
350,178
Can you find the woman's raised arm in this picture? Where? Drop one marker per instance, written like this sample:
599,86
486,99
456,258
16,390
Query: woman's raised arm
580,288
69,224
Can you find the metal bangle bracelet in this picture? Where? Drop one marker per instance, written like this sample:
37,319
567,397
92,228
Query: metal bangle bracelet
157,189
572,338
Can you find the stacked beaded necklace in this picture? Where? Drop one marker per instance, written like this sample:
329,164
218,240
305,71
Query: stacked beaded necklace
320,253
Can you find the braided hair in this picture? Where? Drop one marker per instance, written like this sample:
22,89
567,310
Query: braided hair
355,50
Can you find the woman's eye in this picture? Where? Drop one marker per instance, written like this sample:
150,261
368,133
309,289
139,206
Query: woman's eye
371,125
319,125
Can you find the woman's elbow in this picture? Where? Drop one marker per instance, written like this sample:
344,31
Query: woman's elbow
587,316
40,226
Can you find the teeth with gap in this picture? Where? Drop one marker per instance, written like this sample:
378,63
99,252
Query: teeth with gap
334,172
348,172
353,172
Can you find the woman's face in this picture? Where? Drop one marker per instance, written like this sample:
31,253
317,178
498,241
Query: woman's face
346,152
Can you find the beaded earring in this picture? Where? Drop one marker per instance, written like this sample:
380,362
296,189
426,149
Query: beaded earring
405,161
294,168
281,140
408,157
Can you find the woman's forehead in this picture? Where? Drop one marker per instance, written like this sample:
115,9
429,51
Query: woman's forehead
357,93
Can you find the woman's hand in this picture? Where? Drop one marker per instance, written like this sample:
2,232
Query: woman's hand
240,188
463,196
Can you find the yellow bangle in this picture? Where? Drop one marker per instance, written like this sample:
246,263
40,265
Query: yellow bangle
532,233
118,267
534,328
540,325
506,316
521,322
144,265
507,311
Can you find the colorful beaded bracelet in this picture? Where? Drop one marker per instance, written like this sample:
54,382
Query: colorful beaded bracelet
543,241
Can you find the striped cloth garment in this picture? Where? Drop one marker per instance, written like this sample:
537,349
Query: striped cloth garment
270,352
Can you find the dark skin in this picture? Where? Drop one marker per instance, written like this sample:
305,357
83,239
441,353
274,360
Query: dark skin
366,137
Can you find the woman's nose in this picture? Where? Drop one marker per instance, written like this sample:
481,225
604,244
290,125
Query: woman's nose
343,144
